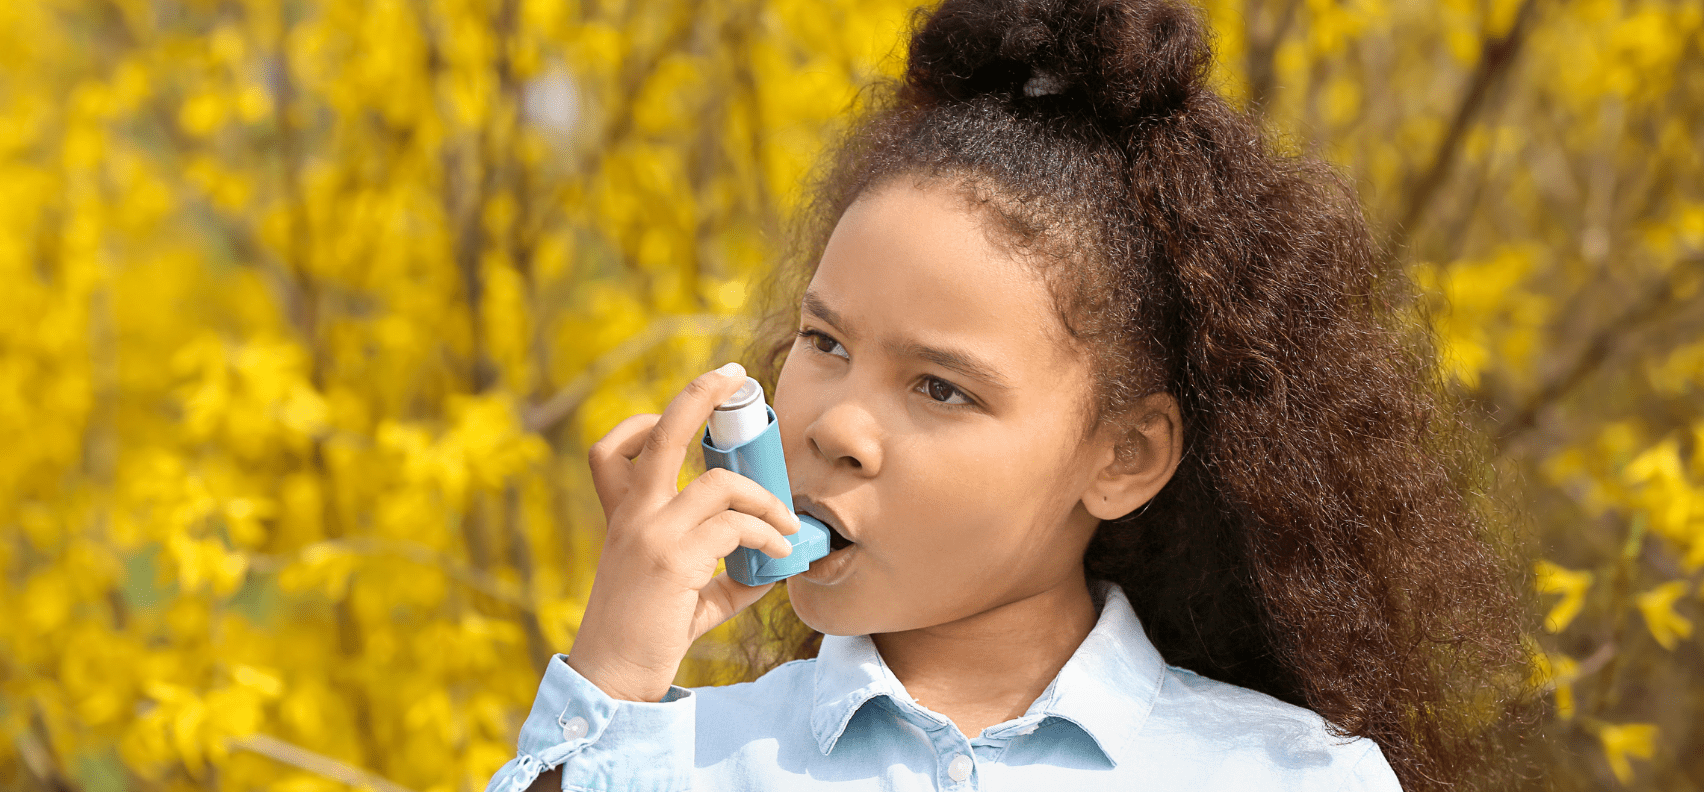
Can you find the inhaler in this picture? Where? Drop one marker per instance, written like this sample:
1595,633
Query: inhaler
744,436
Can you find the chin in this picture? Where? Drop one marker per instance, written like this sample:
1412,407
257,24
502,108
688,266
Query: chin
824,609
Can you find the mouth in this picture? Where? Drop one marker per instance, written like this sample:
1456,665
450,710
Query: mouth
837,537
834,568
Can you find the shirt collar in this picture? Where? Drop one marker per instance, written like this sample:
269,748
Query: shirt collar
1106,689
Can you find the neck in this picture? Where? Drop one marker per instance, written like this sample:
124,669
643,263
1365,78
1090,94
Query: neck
988,668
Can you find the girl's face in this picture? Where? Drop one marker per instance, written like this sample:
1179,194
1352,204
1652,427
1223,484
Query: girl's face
931,408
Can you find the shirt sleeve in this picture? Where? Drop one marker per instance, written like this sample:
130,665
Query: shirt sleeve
1371,773
602,743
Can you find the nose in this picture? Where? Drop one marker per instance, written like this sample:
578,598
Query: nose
846,434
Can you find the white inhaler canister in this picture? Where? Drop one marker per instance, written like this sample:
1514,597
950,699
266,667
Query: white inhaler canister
743,435
741,418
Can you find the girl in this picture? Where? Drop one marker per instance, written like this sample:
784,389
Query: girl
1137,481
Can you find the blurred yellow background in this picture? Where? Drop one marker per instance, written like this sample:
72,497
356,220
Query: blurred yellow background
312,309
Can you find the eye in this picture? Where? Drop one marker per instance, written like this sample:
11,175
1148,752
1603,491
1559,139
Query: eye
930,382
932,385
812,336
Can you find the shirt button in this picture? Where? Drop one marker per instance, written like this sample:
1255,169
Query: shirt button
573,729
959,767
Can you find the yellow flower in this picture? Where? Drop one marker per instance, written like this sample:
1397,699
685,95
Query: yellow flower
264,681
1554,670
202,113
1635,739
1572,585
1657,605
1660,462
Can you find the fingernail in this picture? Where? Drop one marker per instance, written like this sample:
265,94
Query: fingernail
734,370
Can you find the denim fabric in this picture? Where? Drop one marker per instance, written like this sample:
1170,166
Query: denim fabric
1115,717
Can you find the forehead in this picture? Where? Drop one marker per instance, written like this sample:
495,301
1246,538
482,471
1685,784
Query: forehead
914,265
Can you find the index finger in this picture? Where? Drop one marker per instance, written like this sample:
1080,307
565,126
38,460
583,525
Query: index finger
659,462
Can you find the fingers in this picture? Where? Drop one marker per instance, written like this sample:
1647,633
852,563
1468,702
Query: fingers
664,449
719,489
609,459
731,530
721,511
721,600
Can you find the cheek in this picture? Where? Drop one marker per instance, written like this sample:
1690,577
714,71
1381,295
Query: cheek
980,508
985,478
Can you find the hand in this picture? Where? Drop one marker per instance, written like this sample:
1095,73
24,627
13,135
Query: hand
656,589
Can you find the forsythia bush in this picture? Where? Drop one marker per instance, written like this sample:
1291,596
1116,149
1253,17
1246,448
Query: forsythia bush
312,309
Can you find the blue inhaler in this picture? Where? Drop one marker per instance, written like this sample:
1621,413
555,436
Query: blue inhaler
744,436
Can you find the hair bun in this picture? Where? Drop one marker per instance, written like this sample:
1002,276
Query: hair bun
1130,59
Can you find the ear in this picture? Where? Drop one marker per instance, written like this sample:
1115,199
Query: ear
1120,488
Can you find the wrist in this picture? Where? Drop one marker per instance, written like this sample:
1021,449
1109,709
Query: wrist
617,681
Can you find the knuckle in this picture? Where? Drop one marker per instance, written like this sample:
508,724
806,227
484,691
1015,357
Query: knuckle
657,441
764,532
733,527
721,478
700,386
722,523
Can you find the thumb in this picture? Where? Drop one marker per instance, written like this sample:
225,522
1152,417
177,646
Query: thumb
719,601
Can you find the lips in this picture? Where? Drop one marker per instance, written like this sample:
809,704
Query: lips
838,536
843,549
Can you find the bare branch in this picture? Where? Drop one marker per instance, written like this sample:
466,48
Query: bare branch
316,763
1593,663
633,81
418,553
1596,351
1496,56
1262,50
543,416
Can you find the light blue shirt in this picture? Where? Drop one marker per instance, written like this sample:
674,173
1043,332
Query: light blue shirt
1116,717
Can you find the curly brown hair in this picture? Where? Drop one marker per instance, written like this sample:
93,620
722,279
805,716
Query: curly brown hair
1326,538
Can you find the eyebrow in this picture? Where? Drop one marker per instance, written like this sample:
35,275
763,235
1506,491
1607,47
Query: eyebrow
956,360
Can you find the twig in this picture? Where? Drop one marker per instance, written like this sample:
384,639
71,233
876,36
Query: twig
1596,352
543,416
620,111
38,756
318,764
1595,661
1261,51
1620,590
633,81
1496,55
737,39
419,554
1459,235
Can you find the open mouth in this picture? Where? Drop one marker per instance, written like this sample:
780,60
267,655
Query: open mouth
833,568
835,540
